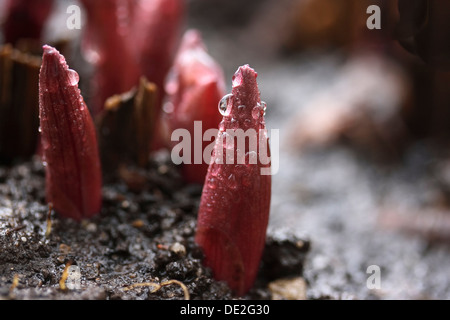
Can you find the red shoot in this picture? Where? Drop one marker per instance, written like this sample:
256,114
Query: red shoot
194,86
25,19
235,203
69,142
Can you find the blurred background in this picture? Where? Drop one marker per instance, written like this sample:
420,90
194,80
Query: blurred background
364,120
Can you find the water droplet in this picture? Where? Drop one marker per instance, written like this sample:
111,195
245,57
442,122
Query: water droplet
264,107
51,51
74,78
212,183
44,163
40,129
223,105
256,112
234,124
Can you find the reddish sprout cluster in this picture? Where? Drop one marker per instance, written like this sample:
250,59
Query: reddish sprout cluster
194,86
127,39
69,142
235,202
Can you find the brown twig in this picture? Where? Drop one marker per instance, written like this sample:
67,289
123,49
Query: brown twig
15,282
18,228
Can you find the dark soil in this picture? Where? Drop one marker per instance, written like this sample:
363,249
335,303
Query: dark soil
145,233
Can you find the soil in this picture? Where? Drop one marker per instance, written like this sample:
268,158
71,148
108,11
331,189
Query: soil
335,210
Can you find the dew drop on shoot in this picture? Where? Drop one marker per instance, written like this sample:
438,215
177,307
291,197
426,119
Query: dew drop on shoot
264,107
223,105
256,112
74,78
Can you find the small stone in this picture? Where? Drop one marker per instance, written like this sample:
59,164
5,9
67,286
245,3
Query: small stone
73,281
125,204
288,289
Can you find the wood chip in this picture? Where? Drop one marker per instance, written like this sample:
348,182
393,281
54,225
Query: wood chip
126,127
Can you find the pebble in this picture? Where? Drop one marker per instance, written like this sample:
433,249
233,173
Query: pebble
288,289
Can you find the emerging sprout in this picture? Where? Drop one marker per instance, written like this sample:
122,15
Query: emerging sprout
235,203
194,85
69,142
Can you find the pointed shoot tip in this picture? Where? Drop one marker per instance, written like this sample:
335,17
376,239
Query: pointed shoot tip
244,73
